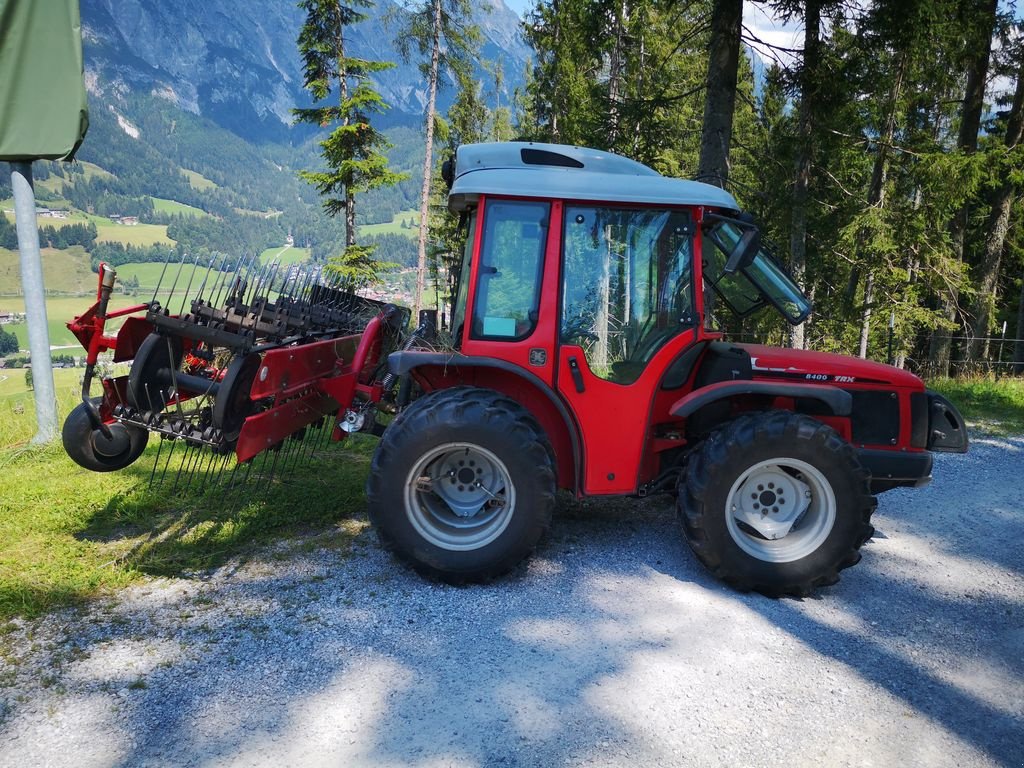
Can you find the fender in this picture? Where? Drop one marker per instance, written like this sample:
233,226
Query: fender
403,362
838,400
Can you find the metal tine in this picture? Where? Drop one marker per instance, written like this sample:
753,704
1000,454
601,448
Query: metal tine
235,494
202,287
215,293
184,461
269,479
230,283
197,460
167,462
174,285
188,288
297,449
308,441
243,281
266,279
220,470
206,455
257,283
156,461
159,281
251,285
313,438
205,473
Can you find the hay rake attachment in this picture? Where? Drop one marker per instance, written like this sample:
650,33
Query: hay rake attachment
261,366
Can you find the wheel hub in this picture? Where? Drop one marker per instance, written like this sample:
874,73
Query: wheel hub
770,501
459,496
780,510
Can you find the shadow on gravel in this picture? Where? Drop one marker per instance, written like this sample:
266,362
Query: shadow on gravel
911,631
982,503
613,646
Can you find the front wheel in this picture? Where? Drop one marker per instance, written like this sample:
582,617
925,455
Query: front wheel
462,485
776,502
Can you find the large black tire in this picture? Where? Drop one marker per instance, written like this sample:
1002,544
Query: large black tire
89,448
760,473
462,485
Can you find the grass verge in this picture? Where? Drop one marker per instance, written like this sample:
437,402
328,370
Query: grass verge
992,405
67,534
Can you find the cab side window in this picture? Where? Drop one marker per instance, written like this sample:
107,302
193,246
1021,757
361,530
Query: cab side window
511,265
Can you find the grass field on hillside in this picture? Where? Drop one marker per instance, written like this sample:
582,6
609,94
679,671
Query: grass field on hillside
197,180
60,310
108,231
16,396
64,271
411,218
173,206
94,171
139,234
285,254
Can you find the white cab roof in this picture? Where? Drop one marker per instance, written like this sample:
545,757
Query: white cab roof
527,169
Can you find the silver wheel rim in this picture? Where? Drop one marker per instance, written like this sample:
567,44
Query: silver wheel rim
780,510
459,496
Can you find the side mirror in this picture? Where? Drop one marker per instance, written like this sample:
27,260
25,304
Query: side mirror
748,242
745,251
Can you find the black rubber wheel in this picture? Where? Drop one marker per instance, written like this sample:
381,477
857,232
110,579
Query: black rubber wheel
89,448
232,404
462,485
150,375
777,503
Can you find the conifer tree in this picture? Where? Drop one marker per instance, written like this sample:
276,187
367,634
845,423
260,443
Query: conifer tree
354,150
442,33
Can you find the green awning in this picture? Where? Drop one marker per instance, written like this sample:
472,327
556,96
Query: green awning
43,111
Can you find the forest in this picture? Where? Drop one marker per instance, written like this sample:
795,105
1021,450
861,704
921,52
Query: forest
882,157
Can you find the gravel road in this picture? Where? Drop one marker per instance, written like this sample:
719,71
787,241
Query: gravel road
612,647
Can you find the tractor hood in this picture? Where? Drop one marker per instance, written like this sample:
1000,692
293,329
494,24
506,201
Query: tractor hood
804,365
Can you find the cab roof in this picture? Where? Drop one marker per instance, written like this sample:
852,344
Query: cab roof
528,169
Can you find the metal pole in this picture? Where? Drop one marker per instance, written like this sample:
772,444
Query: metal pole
999,360
35,302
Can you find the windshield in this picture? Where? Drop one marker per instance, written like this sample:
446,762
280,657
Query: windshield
761,281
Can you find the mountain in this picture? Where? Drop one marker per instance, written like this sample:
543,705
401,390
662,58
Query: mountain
235,62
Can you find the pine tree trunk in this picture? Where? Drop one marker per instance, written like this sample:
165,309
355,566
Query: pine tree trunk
996,229
805,131
720,98
350,198
941,344
865,323
428,161
616,65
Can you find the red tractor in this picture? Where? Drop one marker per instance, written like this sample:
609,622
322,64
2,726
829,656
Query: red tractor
582,357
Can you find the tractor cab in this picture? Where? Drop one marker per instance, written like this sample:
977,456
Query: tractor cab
595,275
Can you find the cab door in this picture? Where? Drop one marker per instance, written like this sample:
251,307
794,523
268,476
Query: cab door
627,309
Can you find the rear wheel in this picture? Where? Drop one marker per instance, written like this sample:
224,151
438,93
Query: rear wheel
462,485
776,502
